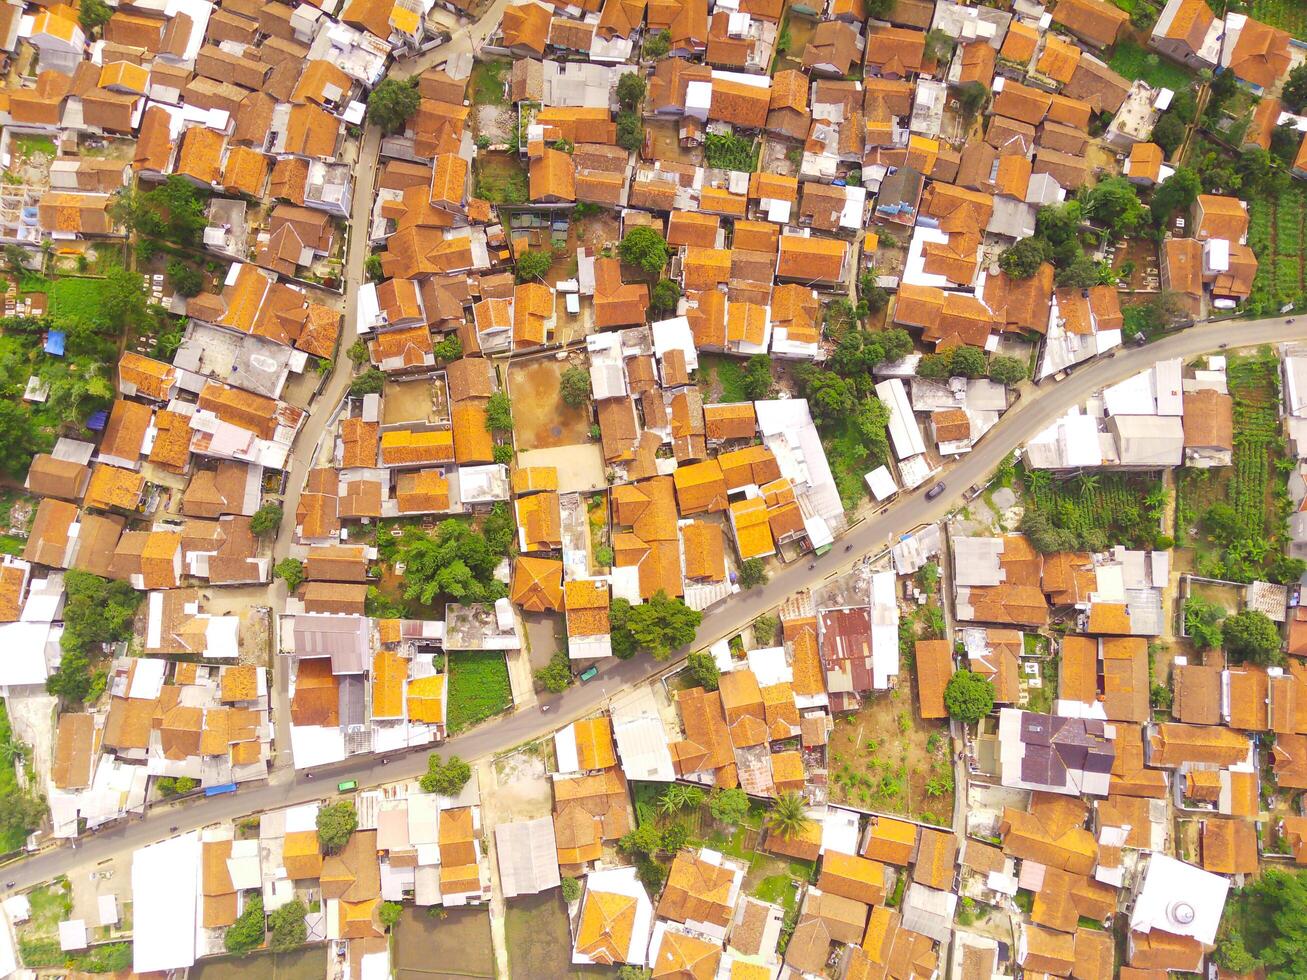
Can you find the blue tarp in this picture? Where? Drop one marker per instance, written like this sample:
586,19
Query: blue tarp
97,420
54,342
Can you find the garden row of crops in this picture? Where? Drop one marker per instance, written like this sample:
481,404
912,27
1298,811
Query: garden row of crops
1102,510
1253,384
1275,236
1288,15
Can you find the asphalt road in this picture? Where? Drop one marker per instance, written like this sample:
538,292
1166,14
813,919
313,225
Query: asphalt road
1034,412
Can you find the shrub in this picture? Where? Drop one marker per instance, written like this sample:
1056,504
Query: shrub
752,573
574,386
703,668
499,413
532,266
288,927
370,382
556,676
389,913
246,933
571,890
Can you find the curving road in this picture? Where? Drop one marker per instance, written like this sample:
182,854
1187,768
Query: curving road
1036,410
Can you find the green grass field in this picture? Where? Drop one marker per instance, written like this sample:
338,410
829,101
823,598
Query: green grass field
478,688
71,298
1132,61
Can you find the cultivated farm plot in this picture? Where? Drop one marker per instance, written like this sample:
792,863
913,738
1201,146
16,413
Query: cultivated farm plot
453,943
1288,15
478,688
883,757
541,419
1275,234
1251,486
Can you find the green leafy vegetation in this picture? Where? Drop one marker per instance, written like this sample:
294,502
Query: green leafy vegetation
1242,511
788,816
499,412
1250,635
533,265
1202,622
643,247
178,786
96,612
1265,925
968,697
21,810
703,670
288,926
730,152
574,386
393,102
478,688
336,822
657,626
389,913
728,806
446,777
556,676
1091,512
172,211
457,562
753,573
266,520
1132,61
247,932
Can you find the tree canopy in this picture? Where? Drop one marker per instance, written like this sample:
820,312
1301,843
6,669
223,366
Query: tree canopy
393,102
499,412
630,91
336,821
1114,202
533,265
968,696
1007,370
1251,636
1023,259
446,777
457,562
266,520
1177,193
645,248
728,806
703,668
96,611
247,932
752,573
574,386
93,13
664,296
662,624
288,926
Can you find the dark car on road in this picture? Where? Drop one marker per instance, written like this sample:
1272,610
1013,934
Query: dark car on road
934,491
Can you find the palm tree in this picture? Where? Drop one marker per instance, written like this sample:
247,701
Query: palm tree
789,815
12,750
1039,481
673,799
1088,483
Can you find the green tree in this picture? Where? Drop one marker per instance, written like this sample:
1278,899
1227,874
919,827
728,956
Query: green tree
186,279
604,556
619,615
1274,914
574,386
757,380
92,14
247,932
389,914
1252,636
630,91
1006,370
728,806
630,130
1177,193
629,972
556,676
644,248
967,361
1202,622
968,696
664,296
446,778
532,266
19,440
753,573
935,367
1114,202
571,890
1294,92
372,266
266,520
358,352
788,816
289,929
972,97
370,382
393,102
1142,17
290,571
1023,259
703,669
457,562
644,841
663,624
447,348
96,612
657,44
499,412
675,837
122,298
830,398
336,821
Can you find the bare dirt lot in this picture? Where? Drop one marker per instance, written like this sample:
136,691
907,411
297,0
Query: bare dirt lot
540,418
